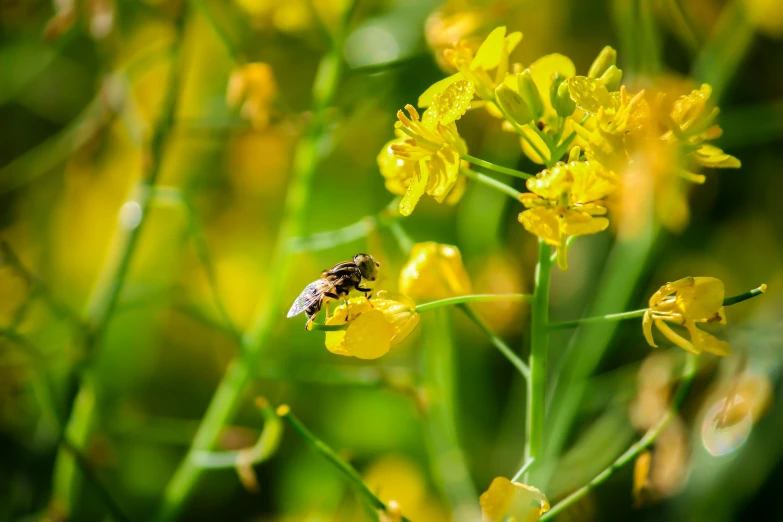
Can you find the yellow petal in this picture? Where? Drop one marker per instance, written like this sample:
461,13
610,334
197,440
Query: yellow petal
544,68
675,337
702,299
582,224
438,87
706,342
590,184
551,183
519,502
647,323
489,54
543,223
590,95
451,104
369,335
434,271
415,190
714,158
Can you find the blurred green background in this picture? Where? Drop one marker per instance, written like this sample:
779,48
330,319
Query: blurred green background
82,84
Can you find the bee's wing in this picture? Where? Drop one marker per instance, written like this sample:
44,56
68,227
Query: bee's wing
310,295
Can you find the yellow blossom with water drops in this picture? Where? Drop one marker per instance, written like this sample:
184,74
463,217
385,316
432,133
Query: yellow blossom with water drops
252,88
434,271
492,55
426,158
685,302
512,502
566,200
374,326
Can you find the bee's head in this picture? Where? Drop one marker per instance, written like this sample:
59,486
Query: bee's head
367,266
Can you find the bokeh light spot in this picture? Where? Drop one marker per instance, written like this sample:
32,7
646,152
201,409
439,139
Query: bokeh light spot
370,45
130,215
723,433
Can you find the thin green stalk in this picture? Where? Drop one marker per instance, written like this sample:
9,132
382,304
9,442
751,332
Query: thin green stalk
649,438
600,319
684,26
497,342
103,300
497,168
329,454
223,35
227,397
639,313
522,470
539,340
492,183
451,301
545,158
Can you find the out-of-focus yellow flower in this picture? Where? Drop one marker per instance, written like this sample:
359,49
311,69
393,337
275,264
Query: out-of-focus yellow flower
476,68
426,158
685,302
512,502
374,326
402,485
767,15
434,271
293,16
566,200
251,88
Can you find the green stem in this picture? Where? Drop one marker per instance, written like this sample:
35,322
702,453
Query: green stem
329,454
539,340
497,342
227,397
639,313
545,158
425,307
722,54
103,300
497,168
492,183
689,371
599,319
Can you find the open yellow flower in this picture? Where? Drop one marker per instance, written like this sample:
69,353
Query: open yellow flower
426,158
434,271
512,502
374,326
685,302
476,69
252,88
566,200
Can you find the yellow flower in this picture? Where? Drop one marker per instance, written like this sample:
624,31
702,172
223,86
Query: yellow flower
252,88
434,271
492,55
426,158
374,326
512,502
685,302
566,200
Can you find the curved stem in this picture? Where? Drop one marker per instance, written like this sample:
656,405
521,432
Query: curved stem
507,352
545,158
329,454
744,297
497,168
492,183
425,307
689,371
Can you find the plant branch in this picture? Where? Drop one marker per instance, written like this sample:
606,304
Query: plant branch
425,307
497,168
689,371
329,454
497,342
492,183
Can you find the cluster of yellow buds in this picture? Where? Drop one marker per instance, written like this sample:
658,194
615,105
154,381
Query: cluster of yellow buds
593,120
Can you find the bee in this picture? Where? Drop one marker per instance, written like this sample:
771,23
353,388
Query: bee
335,283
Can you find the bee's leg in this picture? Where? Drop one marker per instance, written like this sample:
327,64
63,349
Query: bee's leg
367,292
326,304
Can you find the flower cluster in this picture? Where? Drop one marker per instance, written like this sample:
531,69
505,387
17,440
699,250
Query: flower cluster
608,133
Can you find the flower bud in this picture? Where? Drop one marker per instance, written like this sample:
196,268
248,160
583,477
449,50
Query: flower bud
561,97
529,92
513,105
612,78
606,58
